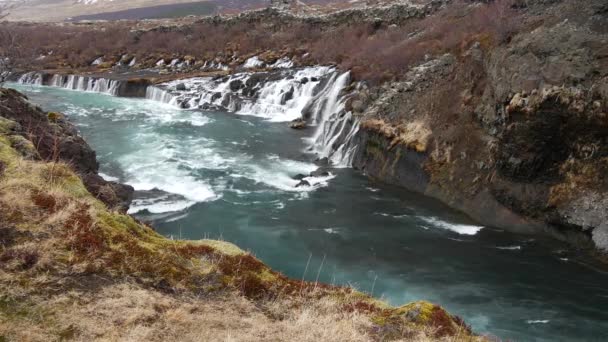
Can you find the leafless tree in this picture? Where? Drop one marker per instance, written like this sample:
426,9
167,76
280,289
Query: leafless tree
9,44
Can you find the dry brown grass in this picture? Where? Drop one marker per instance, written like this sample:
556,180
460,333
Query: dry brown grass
129,312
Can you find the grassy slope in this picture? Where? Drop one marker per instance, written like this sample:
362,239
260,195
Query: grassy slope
72,269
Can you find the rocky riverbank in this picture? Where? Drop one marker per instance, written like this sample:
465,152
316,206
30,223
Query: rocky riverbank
73,268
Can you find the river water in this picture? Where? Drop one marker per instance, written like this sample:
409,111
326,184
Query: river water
201,174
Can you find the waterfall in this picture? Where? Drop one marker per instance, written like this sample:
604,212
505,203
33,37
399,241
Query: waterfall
336,128
160,95
31,78
312,93
73,82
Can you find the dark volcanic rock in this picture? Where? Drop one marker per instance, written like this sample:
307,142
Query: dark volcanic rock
302,183
236,85
299,176
298,124
57,139
320,173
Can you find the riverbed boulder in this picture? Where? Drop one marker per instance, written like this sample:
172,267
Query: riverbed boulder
303,183
236,85
298,124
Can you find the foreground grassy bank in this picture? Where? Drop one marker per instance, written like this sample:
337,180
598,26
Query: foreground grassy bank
71,268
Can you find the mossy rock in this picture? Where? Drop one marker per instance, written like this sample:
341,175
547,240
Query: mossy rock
55,116
423,314
7,126
23,146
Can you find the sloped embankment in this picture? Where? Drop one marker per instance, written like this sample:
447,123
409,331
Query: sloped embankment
70,268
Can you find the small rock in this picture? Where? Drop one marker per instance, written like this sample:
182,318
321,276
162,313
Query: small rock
302,183
298,124
299,177
235,85
322,161
180,87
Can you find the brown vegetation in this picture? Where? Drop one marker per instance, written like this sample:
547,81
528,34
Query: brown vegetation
375,52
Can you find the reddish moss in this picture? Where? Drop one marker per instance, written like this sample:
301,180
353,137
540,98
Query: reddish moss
251,286
81,232
193,250
231,265
44,201
441,321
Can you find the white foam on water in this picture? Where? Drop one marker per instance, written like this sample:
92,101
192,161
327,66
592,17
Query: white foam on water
509,248
108,177
538,321
176,218
391,215
464,229
158,206
253,62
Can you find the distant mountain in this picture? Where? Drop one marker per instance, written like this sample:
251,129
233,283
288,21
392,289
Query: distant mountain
60,10
70,10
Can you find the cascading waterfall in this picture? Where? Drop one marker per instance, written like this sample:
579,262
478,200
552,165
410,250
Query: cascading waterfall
313,93
31,78
73,82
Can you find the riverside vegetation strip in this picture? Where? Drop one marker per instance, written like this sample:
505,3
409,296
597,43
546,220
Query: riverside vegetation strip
71,268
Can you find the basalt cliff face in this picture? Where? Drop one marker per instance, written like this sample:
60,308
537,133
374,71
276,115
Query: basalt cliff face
515,136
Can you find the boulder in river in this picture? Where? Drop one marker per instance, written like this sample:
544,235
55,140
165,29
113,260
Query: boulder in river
321,172
302,183
298,124
299,176
236,85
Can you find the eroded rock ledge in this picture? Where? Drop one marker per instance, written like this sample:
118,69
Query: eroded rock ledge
50,136
516,136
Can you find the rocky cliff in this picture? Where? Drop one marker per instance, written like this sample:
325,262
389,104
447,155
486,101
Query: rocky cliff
513,134
49,136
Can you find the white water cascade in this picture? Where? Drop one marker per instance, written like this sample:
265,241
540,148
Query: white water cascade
313,93
73,82
282,95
